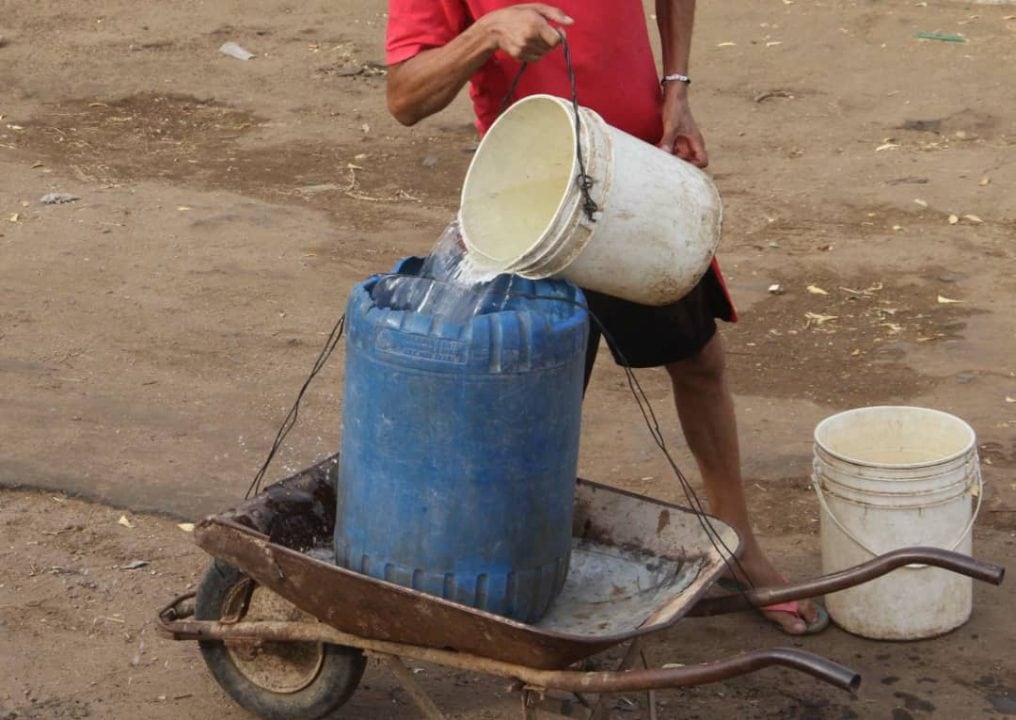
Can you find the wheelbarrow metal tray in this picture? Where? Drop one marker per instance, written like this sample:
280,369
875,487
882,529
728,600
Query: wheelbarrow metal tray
638,566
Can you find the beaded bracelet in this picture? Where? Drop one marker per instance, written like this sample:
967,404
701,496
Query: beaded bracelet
676,77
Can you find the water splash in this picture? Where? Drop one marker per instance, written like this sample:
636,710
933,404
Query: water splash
450,284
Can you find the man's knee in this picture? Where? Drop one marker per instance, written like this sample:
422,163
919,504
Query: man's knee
707,367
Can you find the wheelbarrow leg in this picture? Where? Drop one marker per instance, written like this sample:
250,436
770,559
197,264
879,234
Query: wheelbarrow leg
635,656
409,684
535,704
650,694
589,706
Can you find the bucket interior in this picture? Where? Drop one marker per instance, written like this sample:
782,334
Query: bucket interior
518,180
894,436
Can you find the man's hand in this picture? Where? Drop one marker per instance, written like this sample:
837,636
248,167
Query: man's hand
524,31
681,135
427,82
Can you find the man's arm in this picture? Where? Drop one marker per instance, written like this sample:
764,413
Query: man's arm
681,136
429,81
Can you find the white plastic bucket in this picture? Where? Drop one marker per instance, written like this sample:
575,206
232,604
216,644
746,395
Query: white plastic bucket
893,477
522,210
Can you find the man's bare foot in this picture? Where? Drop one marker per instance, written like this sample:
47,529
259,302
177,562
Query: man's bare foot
762,574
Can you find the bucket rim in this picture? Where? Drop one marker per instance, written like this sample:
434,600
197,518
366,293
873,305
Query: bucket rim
561,104
968,447
553,255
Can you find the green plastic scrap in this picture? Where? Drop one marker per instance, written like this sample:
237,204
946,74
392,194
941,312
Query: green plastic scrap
944,37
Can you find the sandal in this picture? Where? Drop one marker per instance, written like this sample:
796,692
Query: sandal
791,608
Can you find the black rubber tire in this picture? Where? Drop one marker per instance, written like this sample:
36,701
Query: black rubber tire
336,680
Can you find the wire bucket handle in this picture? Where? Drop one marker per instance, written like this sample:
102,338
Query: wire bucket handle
582,180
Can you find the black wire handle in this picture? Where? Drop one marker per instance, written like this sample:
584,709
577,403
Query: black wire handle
583,180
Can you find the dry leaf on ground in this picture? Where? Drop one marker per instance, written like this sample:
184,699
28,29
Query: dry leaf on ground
819,319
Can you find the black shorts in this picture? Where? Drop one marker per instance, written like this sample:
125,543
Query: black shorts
642,336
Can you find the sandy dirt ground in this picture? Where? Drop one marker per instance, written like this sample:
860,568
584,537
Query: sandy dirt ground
154,332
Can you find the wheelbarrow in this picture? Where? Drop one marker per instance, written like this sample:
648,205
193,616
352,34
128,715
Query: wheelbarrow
287,633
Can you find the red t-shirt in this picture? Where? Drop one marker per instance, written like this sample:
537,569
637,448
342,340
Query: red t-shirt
614,68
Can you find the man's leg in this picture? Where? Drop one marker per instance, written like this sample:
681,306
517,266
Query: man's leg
705,407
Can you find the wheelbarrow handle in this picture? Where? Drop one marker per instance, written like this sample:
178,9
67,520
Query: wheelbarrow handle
690,675
567,680
874,568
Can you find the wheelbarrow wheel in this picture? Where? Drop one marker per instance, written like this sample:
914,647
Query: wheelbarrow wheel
275,681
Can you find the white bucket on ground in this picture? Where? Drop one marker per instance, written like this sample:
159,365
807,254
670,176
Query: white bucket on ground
893,477
522,211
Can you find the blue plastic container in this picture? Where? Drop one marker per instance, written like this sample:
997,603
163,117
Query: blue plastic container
460,444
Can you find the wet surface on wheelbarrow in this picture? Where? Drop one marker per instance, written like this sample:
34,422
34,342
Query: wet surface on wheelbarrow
638,566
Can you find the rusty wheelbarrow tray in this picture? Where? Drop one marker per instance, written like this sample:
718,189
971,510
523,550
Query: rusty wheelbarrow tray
638,566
